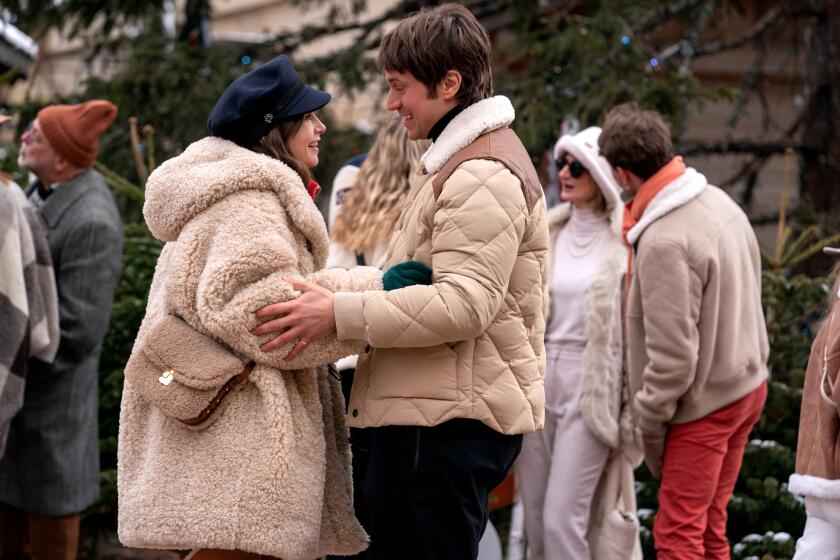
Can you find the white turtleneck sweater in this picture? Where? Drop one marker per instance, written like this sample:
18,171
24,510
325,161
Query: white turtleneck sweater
574,261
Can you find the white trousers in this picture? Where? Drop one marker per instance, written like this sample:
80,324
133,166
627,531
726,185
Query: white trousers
559,467
821,539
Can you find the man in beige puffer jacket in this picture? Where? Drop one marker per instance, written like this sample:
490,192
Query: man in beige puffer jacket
454,371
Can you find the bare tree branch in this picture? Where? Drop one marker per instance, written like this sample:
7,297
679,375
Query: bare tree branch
674,9
740,147
765,219
687,45
771,19
749,83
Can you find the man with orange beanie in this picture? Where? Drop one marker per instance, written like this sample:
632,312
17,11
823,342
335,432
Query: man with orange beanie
50,471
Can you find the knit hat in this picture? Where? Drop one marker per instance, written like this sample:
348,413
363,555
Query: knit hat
583,146
73,130
254,103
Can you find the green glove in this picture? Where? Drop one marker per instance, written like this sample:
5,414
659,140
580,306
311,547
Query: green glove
408,273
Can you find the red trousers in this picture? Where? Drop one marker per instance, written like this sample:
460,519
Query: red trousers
699,469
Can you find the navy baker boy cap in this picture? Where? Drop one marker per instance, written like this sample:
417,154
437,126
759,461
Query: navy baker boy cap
254,103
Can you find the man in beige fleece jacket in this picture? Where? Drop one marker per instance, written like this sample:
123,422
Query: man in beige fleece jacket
697,341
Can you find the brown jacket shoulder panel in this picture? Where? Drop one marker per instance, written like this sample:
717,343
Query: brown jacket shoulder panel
504,146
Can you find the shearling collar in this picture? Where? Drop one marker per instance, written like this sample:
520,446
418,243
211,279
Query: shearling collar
483,116
681,190
212,169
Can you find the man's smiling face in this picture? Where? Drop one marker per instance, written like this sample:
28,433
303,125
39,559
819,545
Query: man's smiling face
410,98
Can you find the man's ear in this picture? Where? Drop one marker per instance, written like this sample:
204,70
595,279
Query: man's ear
62,167
449,87
619,175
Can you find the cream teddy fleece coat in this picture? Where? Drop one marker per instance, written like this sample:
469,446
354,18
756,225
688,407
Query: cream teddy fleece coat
271,473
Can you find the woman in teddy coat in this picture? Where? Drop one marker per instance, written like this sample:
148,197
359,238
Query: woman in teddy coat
571,473
268,472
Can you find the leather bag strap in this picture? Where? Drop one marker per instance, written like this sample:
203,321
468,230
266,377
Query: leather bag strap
232,383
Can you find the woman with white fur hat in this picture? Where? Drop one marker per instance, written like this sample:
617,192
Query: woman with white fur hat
566,469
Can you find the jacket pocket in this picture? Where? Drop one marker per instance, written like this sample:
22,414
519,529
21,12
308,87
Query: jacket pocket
414,373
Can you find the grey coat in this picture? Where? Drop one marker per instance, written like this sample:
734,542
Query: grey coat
51,465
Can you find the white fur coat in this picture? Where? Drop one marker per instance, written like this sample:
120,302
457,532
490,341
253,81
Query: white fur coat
603,385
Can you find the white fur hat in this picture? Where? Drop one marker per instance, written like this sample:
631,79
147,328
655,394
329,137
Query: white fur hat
583,146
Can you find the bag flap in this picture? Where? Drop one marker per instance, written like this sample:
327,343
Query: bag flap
194,359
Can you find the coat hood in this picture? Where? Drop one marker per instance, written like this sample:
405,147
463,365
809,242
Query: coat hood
212,169
583,146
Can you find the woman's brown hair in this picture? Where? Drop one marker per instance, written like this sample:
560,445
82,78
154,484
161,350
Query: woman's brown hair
275,145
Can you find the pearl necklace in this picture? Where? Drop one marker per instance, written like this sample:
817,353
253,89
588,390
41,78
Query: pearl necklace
583,247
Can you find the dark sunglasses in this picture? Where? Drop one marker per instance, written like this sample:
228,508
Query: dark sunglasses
575,168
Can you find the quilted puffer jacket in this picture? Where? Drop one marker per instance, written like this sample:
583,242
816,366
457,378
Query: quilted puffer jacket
470,345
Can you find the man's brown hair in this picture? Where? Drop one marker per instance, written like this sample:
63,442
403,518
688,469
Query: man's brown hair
635,140
434,41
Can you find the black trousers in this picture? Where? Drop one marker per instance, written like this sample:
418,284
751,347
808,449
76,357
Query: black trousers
423,491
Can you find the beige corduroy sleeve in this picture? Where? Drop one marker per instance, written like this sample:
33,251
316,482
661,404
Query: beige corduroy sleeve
479,221
245,270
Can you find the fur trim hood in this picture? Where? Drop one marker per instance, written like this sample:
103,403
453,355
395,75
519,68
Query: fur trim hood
480,117
584,147
213,168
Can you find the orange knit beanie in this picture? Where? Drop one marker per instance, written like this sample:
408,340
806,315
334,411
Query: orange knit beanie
73,130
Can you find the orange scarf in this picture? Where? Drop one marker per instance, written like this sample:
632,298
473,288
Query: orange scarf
635,208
